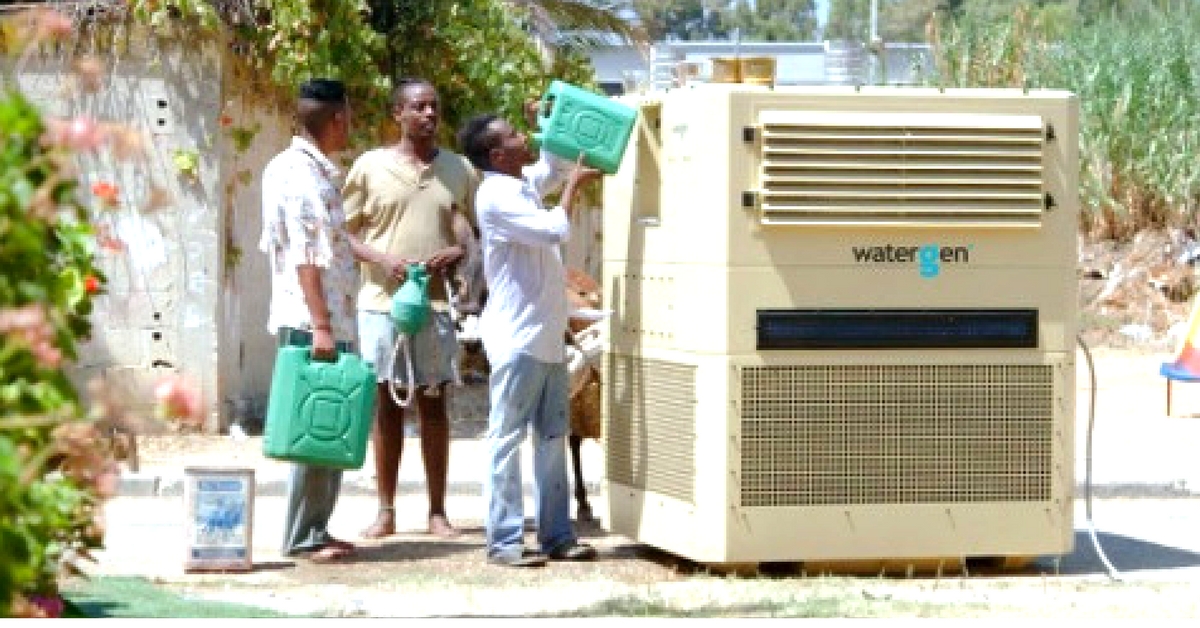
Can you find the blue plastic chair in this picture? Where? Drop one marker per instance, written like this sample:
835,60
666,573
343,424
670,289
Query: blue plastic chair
1186,366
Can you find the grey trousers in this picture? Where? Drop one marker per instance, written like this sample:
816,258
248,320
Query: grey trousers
312,490
312,493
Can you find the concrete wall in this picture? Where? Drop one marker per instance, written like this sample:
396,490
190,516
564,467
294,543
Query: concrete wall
163,292
247,350
189,293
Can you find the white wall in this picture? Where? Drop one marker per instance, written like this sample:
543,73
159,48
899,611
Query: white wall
158,316
247,349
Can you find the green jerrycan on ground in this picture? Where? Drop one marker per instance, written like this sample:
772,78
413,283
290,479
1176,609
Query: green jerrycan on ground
319,413
410,304
574,120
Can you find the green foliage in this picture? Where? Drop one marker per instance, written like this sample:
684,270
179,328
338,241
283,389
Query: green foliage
774,20
187,163
45,258
700,20
849,20
682,20
243,136
1135,70
125,596
907,20
479,56
478,53
283,43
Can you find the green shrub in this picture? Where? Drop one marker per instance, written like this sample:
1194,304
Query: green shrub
46,268
1135,71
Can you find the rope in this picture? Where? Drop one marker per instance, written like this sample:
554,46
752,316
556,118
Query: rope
403,341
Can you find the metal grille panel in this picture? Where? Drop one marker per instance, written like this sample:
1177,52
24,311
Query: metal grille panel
899,168
650,428
895,434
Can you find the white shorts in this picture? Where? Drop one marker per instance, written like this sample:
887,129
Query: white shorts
433,349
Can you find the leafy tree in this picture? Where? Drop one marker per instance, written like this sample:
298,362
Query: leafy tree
579,23
682,20
482,55
907,20
849,19
774,20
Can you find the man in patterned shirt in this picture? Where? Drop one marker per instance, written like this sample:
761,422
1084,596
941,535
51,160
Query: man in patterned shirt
314,280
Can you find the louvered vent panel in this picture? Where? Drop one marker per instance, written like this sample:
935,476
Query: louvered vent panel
898,169
650,429
896,434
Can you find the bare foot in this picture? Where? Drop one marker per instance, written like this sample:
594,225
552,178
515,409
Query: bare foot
385,525
439,526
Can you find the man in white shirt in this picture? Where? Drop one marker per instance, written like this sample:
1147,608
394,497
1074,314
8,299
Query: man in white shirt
314,280
522,328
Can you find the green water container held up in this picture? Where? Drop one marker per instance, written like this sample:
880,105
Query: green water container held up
319,413
574,120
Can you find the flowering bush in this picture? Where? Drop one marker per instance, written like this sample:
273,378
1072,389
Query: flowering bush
57,461
44,302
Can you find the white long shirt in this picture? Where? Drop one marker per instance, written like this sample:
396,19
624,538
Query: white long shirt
526,309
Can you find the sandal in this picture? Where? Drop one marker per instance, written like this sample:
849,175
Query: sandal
331,553
332,542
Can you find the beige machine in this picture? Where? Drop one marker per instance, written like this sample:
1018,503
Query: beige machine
843,324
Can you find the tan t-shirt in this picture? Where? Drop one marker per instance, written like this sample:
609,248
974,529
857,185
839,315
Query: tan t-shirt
401,208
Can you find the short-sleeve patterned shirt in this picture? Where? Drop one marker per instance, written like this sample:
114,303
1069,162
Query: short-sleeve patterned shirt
303,223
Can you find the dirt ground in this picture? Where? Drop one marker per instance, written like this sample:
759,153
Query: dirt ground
415,575
1136,294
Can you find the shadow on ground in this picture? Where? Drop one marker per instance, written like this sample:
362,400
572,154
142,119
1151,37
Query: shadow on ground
1124,553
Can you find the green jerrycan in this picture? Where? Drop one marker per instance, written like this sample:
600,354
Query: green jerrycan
410,304
319,413
574,120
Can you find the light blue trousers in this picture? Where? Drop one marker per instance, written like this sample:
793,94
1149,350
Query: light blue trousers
526,393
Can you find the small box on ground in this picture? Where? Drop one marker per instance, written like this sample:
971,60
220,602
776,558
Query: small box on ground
219,519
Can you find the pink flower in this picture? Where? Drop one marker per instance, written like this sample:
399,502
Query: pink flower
51,24
30,326
49,606
107,241
108,480
81,134
179,398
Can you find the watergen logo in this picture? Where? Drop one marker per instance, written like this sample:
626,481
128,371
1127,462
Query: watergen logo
929,257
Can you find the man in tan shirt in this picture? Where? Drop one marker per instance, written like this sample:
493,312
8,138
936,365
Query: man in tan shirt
410,202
